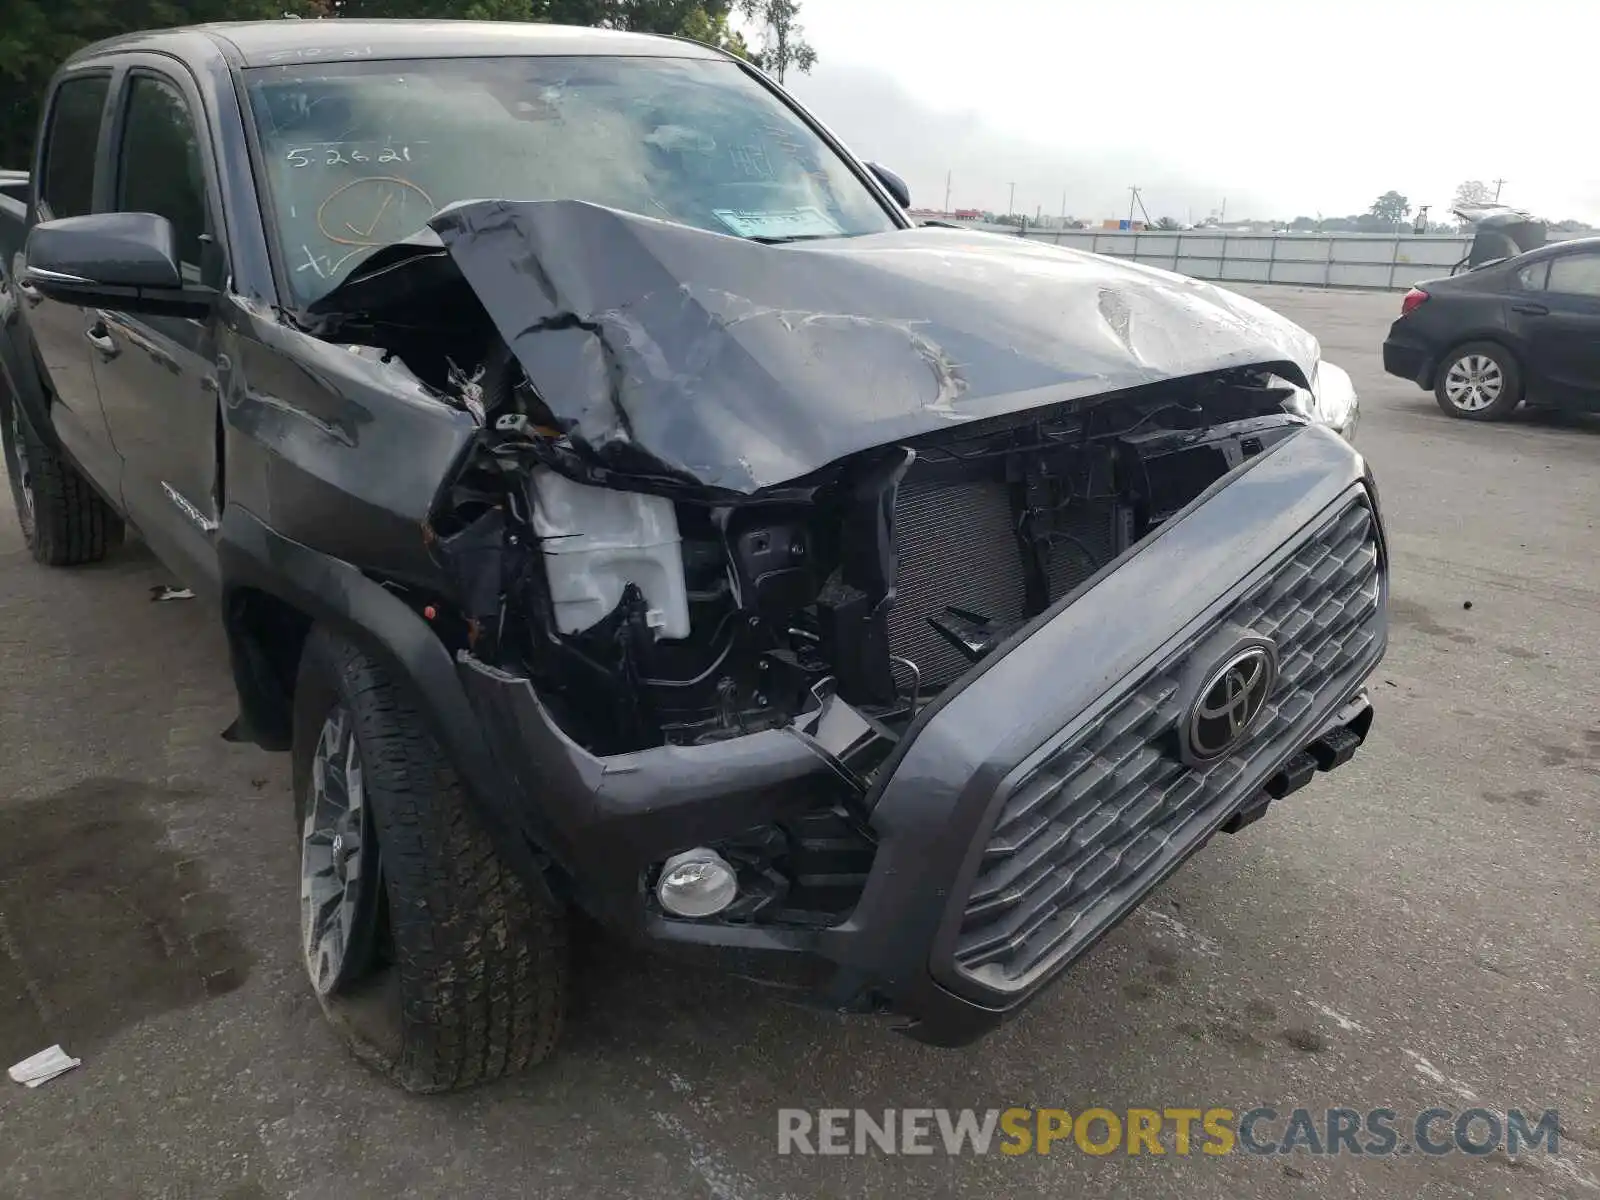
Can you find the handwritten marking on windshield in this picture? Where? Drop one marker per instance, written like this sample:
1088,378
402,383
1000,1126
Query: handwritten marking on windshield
340,154
387,195
751,161
314,52
312,263
325,265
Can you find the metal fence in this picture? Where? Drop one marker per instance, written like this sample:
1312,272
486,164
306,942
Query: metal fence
1356,260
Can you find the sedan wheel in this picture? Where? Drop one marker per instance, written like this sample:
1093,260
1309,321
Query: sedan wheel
1478,382
1474,382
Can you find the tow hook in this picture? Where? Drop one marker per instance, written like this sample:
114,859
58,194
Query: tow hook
1334,748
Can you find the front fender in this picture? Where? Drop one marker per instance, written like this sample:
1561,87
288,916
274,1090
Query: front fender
332,592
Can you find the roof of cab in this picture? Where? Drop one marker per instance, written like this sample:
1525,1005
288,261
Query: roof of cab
280,43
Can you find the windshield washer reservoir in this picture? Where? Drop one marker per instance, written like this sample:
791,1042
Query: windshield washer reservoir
597,541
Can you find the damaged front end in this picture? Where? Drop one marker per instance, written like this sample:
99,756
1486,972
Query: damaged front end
791,557
646,619
717,483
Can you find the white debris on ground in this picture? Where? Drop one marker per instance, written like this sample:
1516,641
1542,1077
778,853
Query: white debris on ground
44,1066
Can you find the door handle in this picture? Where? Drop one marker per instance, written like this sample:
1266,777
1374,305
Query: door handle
30,292
102,341
1533,310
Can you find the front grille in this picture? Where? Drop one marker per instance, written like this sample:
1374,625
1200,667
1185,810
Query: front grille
1095,824
957,548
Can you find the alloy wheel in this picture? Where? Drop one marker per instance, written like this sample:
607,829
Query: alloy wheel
19,450
338,862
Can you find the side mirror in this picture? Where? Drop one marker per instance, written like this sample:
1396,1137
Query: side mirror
123,261
892,183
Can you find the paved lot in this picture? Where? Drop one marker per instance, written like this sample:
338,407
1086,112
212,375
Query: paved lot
1419,929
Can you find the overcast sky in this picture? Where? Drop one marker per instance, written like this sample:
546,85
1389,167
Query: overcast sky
1284,108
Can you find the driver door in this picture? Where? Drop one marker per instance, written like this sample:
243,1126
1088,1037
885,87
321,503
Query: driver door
157,375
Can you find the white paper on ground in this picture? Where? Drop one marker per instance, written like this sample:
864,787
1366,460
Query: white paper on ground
44,1066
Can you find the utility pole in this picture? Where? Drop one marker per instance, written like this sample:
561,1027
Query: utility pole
1497,186
1139,200
1063,208
1011,204
1222,219
947,193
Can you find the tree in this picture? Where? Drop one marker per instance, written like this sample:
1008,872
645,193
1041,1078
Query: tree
1472,192
1167,223
704,20
36,35
783,42
1390,207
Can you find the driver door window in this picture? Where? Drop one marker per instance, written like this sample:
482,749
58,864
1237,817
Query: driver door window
160,170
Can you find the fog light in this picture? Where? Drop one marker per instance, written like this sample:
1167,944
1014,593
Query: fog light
696,883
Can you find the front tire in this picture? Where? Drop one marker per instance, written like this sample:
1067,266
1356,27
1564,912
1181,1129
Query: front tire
1479,381
431,957
64,521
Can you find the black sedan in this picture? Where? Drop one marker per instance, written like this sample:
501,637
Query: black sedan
1525,328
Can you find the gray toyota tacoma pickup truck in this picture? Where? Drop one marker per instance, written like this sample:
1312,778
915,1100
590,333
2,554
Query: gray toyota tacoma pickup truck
615,504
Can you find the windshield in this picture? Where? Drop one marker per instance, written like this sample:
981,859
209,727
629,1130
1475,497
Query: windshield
359,155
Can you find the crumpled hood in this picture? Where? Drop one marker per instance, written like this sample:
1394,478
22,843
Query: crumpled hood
742,365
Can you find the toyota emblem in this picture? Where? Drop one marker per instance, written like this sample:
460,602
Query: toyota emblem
1230,702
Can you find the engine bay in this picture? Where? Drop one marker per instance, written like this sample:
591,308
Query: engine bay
647,613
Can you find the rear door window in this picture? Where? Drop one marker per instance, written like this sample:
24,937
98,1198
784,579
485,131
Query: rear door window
67,186
1576,275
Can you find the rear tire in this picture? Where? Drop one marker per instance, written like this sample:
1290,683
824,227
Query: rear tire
64,521
1478,381
451,971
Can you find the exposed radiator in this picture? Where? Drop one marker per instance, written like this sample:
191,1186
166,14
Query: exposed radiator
957,548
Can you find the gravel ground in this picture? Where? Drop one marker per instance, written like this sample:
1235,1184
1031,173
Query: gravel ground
1417,929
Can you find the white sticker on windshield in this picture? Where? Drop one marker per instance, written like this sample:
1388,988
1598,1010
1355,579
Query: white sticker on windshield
785,222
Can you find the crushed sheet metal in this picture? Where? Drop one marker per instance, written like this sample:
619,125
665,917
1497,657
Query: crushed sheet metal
741,365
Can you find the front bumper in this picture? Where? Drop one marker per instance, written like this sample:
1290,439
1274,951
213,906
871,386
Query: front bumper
1041,797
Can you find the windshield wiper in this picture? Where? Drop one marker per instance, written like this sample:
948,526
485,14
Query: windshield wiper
780,239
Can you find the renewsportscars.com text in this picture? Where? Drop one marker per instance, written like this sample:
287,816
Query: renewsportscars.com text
1264,1129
